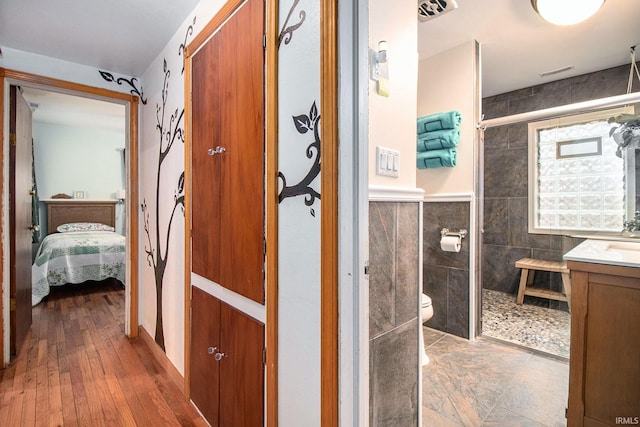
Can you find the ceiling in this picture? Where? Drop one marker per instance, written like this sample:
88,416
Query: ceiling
75,111
122,36
516,44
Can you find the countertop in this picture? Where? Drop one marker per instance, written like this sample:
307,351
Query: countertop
612,252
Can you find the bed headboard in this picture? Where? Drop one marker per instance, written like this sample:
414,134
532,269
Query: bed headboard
63,211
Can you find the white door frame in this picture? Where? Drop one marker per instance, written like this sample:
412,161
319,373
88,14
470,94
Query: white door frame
353,213
131,144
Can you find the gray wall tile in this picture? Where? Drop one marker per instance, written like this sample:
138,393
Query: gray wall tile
382,272
541,99
496,221
393,312
458,303
394,381
518,135
498,267
496,138
454,216
505,173
446,274
519,235
436,285
407,262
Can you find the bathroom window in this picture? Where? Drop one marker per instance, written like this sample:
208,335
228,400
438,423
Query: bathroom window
577,183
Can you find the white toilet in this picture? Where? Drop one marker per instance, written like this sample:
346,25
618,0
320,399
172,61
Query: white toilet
426,312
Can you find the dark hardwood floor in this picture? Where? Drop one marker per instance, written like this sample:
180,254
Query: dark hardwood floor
77,368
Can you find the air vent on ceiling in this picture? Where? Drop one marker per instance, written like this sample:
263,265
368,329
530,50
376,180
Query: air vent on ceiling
429,9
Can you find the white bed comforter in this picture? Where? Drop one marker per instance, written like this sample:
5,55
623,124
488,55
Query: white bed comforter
75,258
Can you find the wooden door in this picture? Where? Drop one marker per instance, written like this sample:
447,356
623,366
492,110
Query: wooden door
20,188
228,182
241,369
205,343
227,380
206,197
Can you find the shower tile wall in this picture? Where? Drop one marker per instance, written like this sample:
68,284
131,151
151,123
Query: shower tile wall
505,238
393,313
446,274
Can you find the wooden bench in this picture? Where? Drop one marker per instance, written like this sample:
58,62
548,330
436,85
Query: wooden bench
529,267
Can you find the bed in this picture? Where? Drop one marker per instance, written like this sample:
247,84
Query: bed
81,246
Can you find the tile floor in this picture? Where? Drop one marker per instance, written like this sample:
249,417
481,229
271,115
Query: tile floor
489,383
532,324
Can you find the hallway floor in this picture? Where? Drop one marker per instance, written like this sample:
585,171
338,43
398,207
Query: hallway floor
77,368
533,324
488,383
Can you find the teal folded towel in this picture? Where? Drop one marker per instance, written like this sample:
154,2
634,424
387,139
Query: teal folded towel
446,157
438,139
439,121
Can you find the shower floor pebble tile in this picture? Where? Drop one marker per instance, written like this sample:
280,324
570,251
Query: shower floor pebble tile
529,325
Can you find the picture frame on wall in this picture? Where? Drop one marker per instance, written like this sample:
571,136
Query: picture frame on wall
78,194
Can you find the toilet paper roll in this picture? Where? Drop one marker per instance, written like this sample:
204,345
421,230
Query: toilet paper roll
450,243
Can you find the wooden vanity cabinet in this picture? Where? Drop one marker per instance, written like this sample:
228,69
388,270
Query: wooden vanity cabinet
604,366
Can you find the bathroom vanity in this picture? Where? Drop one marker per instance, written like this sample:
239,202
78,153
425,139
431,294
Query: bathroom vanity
604,366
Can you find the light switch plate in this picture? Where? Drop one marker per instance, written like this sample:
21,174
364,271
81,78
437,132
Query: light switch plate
387,162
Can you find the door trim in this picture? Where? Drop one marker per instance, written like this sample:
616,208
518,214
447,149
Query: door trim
271,220
131,102
271,208
329,362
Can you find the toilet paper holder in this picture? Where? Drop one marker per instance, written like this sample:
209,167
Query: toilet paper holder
461,234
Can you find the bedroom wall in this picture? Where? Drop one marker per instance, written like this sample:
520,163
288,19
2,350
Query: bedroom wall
71,158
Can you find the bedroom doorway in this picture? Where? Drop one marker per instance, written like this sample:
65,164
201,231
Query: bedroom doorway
130,199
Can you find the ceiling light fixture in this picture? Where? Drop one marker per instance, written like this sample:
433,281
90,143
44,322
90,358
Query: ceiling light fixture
566,12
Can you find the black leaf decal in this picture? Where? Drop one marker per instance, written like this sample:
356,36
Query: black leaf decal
181,183
107,76
313,113
302,122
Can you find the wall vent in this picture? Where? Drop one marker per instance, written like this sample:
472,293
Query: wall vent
429,9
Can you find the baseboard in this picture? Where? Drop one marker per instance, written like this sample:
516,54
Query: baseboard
162,359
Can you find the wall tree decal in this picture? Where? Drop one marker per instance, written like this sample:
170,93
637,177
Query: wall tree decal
287,30
305,123
169,133
120,80
183,45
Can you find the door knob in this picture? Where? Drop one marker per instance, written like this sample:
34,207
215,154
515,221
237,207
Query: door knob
219,356
34,228
212,350
217,150
32,192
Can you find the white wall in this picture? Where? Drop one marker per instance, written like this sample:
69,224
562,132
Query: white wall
453,88
299,348
392,120
56,68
